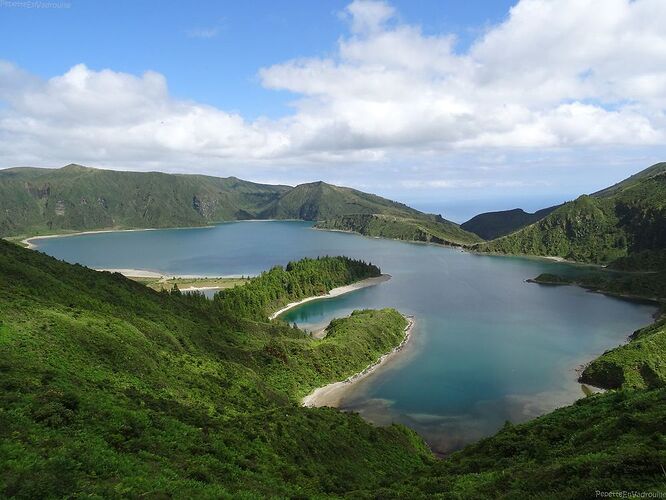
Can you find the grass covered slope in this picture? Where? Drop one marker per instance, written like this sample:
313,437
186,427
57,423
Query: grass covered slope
36,201
491,225
606,442
639,364
320,201
76,198
426,228
112,389
625,220
345,209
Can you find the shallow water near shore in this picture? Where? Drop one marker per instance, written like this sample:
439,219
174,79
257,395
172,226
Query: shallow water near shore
487,347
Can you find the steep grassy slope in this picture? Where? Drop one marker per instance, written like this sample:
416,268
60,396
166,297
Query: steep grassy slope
626,220
491,225
320,201
112,389
637,365
652,171
346,209
426,228
76,198
608,442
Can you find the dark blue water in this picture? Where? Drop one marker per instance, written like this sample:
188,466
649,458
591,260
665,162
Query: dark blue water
487,346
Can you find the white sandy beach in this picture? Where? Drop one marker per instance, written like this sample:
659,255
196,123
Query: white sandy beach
200,288
145,273
331,394
142,273
28,242
336,292
134,273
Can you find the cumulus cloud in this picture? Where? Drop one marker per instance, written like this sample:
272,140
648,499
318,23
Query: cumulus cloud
554,74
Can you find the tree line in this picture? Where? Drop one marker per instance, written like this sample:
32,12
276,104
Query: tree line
280,285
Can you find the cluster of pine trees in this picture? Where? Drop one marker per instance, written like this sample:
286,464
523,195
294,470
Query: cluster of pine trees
281,285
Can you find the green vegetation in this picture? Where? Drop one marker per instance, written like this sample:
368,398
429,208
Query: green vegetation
491,225
550,279
639,285
427,228
606,442
351,344
318,201
113,390
279,286
36,201
75,198
620,222
652,171
585,230
637,365
650,260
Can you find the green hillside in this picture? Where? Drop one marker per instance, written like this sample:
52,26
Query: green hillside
491,225
36,201
656,169
345,209
320,201
610,442
627,220
425,228
75,198
639,364
113,390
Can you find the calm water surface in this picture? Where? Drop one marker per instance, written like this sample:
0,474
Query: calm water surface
487,346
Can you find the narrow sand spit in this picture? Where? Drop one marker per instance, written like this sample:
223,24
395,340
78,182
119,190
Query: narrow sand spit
336,292
134,273
29,241
200,288
331,394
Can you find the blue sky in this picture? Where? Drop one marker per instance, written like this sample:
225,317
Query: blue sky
455,107
209,51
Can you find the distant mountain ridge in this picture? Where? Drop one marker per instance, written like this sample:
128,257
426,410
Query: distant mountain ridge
37,201
491,225
78,198
319,201
624,224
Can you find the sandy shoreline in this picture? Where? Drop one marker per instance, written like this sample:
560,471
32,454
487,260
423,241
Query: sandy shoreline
134,273
336,292
331,394
28,242
200,288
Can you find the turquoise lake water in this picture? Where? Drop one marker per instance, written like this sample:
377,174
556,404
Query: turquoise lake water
487,346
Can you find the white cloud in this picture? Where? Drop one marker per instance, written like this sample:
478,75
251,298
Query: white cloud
368,15
556,74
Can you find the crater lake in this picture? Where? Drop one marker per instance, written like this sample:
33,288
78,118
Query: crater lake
487,347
